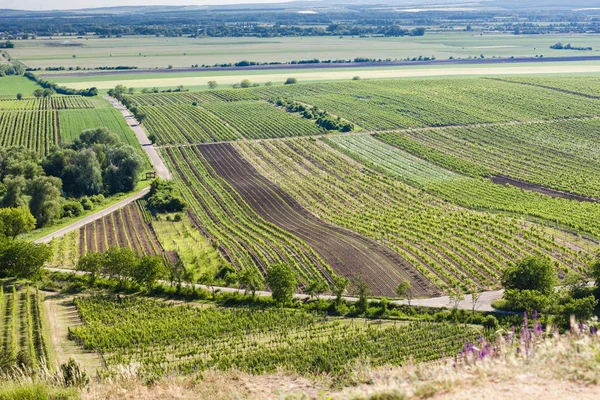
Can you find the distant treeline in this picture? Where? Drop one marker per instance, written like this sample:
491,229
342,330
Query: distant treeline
560,46
226,30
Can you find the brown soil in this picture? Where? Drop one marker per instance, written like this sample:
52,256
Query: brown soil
348,253
131,232
89,238
503,180
100,236
138,226
110,231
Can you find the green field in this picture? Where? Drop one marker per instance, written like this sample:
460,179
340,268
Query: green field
73,122
11,85
166,338
151,52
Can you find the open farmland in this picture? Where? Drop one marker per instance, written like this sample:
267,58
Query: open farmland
449,245
470,192
245,239
73,122
413,202
347,253
166,338
561,155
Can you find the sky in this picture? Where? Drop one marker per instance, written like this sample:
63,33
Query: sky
76,4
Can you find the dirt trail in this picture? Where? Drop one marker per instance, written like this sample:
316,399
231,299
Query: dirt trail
61,314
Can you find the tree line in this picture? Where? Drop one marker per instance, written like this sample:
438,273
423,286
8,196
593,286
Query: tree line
69,179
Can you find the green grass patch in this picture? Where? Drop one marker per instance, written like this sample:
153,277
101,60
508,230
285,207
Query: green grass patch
11,85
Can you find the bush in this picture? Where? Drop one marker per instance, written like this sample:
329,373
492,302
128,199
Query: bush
163,197
86,203
291,81
72,209
526,300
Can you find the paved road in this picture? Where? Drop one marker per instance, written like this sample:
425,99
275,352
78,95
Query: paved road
484,303
161,169
476,61
93,217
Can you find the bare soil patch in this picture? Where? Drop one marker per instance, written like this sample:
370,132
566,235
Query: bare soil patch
503,180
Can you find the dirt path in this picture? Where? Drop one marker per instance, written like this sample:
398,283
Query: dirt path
61,314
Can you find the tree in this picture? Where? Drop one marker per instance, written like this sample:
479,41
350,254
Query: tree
526,300
15,221
212,84
38,93
82,175
48,93
282,281
268,83
251,279
21,259
317,287
14,195
531,273
581,309
19,96
340,284
45,199
245,83
404,290
356,78
291,81
456,296
148,271
475,295
124,167
140,116
363,294
595,273
92,264
120,262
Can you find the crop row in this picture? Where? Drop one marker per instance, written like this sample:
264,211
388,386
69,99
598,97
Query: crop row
47,103
22,324
451,246
36,130
474,193
244,238
259,120
122,228
561,155
166,338
172,124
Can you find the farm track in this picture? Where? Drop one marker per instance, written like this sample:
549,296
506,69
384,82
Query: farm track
348,253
